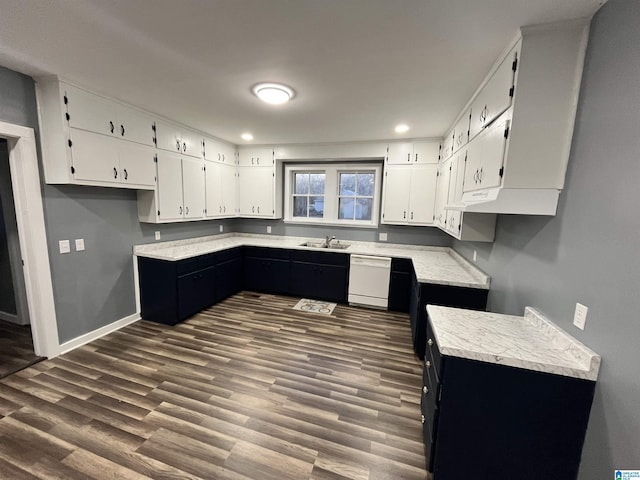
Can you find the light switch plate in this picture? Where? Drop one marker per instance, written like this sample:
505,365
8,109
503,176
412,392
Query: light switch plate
383,237
79,244
580,317
64,245
157,235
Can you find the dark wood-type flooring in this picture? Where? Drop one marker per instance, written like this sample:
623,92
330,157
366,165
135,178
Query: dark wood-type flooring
16,348
247,389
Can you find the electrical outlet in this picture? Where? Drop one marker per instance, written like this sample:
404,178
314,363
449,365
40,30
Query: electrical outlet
383,237
268,228
64,245
475,256
79,244
221,228
157,235
580,317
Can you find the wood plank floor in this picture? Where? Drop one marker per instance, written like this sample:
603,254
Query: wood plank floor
16,348
247,389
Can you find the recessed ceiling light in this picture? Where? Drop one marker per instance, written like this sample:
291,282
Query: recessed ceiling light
247,136
273,93
402,128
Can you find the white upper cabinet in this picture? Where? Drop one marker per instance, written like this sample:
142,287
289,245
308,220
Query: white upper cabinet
83,139
217,151
221,190
406,153
446,147
497,94
409,194
175,138
193,187
255,157
170,202
461,132
442,193
257,192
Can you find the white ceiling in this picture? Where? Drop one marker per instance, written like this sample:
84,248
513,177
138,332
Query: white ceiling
359,66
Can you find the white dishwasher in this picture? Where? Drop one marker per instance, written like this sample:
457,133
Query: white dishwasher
369,280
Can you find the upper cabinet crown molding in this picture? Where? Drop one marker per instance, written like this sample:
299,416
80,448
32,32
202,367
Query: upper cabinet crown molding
521,123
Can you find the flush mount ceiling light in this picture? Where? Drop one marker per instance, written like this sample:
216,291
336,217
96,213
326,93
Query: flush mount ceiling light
402,128
273,93
247,136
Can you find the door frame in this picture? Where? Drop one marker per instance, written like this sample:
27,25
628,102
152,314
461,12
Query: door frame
25,179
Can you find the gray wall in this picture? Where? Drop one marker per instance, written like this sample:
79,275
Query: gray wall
7,293
92,288
588,253
395,234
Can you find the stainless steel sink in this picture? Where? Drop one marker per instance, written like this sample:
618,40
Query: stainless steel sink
319,244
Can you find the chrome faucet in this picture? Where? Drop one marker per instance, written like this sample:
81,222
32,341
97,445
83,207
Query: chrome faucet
328,241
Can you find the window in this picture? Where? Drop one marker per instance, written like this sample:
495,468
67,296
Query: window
332,193
308,197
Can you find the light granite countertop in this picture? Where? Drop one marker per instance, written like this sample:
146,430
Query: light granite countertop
438,265
532,341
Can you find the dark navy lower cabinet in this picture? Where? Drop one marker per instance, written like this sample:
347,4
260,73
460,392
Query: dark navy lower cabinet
229,273
319,275
423,294
400,285
266,270
490,421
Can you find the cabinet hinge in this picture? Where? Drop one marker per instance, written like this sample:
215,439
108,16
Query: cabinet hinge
153,126
73,170
506,132
450,167
158,212
511,91
501,172
155,158
70,143
67,116
459,227
514,65
383,215
66,100
465,156
386,174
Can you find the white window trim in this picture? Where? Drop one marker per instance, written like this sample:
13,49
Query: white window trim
331,192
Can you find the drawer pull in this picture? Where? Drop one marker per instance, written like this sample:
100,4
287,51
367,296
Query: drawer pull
425,390
430,342
422,418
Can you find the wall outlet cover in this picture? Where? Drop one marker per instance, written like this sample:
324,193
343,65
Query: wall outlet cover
475,255
382,237
157,235
268,228
65,246
221,228
79,244
580,317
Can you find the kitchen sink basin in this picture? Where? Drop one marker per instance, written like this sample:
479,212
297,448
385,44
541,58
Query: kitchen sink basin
332,246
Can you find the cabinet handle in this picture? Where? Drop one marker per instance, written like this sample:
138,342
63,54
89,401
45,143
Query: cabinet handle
416,157
111,126
221,209
422,418
425,390
178,145
258,209
258,161
184,147
186,210
224,158
408,157
411,215
427,364
480,176
180,210
115,172
224,209
404,214
253,209
121,130
218,157
126,175
430,342
252,160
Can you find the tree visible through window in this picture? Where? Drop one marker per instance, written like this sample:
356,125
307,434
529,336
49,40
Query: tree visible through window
308,197
356,195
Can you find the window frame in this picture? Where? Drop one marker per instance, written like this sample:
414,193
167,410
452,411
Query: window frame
332,171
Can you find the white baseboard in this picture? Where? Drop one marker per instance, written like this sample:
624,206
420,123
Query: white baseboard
10,317
95,334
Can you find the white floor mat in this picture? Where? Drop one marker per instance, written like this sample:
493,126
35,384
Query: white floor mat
315,306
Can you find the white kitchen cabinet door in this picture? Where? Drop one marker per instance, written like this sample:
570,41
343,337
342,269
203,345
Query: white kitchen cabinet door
137,164
442,192
191,143
94,157
447,146
395,203
456,179
400,153
134,126
422,197
170,201
496,96
256,157
485,157
230,189
90,112
193,187
228,154
426,152
168,136
461,131
256,191
213,189
454,222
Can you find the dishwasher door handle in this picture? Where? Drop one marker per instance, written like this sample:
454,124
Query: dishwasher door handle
368,260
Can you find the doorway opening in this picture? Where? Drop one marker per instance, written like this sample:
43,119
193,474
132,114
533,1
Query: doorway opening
16,338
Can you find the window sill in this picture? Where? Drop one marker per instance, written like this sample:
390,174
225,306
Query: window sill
320,223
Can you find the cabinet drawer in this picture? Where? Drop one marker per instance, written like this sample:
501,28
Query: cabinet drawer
194,264
266,252
226,255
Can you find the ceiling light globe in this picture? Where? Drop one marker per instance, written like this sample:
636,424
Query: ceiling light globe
273,93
